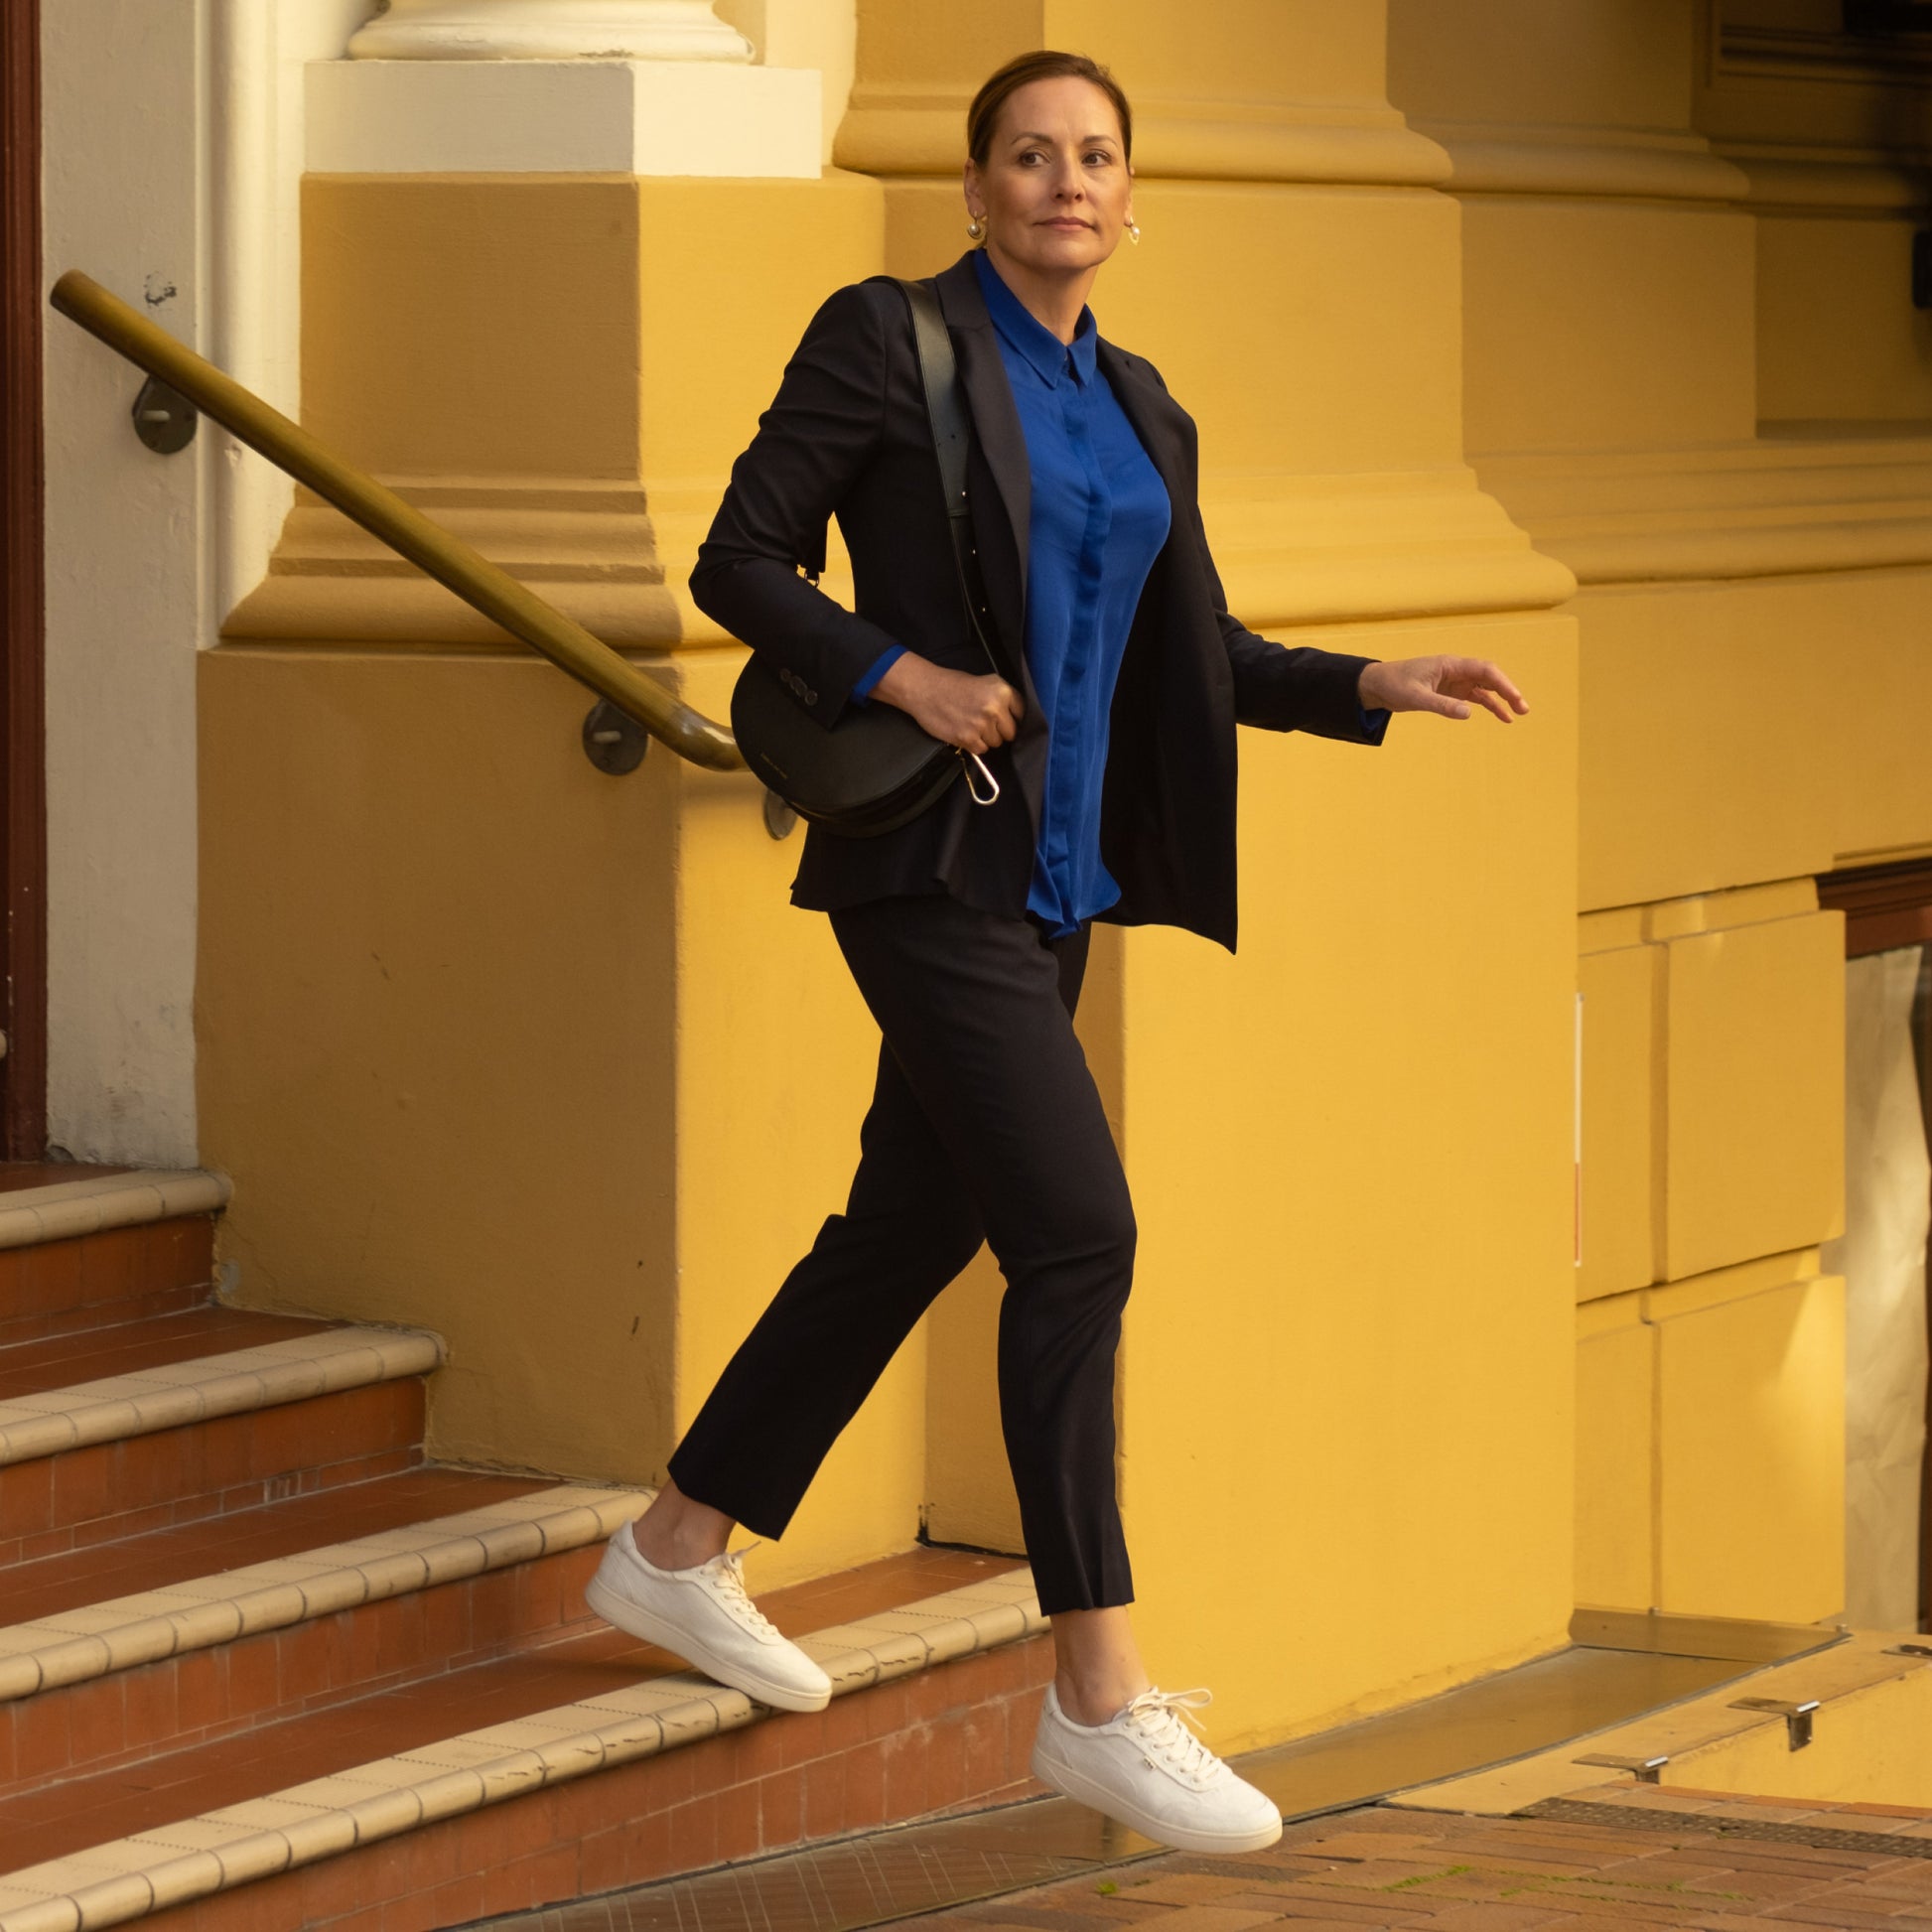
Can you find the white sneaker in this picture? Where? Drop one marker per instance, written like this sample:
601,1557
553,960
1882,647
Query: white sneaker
704,1616
1147,1769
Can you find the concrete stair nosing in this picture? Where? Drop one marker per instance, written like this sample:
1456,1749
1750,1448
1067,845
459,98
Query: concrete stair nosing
123,1633
63,1209
173,1395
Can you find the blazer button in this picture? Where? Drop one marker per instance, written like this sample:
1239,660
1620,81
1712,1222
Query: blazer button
811,697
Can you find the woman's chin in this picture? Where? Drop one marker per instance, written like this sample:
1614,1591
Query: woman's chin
1069,254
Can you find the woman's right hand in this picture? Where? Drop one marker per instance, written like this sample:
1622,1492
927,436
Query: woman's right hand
976,714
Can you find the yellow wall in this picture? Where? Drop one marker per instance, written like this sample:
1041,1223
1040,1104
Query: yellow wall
436,1026
1682,243
1346,1370
543,1059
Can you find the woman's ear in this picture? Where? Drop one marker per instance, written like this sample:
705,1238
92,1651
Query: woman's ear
969,181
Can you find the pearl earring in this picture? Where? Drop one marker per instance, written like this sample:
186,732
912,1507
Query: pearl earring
1134,234
976,229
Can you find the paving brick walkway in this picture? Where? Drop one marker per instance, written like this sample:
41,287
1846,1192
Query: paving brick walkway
1626,1858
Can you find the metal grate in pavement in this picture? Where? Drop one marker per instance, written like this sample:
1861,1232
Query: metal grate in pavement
1646,1818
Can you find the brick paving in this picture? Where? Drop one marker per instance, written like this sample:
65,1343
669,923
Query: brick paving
1669,1858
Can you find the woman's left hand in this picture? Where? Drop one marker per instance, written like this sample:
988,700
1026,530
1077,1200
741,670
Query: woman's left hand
1439,684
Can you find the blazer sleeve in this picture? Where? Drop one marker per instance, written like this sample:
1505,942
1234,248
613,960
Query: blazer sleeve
1276,686
1286,688
823,427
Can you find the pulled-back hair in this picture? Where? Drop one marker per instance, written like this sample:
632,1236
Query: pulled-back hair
1022,71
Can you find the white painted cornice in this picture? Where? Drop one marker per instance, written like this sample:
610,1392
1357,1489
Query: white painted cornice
549,30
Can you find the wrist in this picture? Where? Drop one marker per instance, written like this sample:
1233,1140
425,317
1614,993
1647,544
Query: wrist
901,679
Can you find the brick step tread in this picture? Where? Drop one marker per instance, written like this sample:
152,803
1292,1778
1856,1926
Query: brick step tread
50,1505
61,1209
199,1610
285,1528
58,1363
56,1820
100,1279
275,1676
185,1853
176,1390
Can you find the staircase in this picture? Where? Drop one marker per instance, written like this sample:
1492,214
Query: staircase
263,1666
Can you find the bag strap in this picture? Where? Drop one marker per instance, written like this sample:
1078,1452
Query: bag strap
950,441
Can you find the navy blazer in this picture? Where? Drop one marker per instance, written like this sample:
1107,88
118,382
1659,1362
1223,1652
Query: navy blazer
848,435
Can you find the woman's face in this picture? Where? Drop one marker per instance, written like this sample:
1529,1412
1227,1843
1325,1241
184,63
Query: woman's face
1055,192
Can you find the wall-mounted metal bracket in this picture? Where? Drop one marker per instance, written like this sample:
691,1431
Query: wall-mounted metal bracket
1797,1717
613,740
163,418
779,819
1643,1769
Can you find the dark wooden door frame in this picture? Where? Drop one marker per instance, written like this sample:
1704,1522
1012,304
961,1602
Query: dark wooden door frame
1887,907
23,758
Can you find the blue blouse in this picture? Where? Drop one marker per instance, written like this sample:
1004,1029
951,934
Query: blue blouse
1100,515
1098,520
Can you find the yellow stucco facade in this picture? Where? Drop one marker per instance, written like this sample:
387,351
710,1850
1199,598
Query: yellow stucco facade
1502,325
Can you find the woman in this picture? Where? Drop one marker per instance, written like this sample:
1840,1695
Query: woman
1109,721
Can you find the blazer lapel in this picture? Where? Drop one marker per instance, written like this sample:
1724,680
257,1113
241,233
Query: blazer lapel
989,397
1159,421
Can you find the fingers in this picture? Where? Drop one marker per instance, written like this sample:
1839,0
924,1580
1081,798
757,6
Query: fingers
993,717
1475,679
1491,686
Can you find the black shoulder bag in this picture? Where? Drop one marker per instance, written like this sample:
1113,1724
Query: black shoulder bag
874,769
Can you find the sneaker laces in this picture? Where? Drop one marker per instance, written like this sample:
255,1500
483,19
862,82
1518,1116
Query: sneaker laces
728,1580
1159,1723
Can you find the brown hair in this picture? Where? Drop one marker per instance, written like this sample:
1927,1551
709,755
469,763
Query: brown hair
1022,71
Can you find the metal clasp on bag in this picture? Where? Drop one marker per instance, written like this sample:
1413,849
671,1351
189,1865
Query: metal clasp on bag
969,760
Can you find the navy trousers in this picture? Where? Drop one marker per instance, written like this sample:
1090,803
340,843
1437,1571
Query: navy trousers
985,1125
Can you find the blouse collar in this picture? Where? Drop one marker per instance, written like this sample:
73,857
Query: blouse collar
1032,340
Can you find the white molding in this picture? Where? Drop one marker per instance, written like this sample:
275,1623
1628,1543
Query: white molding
637,117
544,29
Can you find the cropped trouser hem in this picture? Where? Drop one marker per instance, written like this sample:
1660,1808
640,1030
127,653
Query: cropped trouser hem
985,1125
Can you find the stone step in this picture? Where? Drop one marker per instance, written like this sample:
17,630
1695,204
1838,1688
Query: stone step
101,1250
586,1765
89,1683
202,1413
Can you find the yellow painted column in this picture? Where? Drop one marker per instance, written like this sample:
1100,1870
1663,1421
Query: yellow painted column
494,1041
1349,1145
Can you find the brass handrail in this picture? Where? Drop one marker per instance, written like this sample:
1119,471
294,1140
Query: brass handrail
431,548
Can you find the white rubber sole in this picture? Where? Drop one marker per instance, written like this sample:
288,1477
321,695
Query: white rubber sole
637,1621
1086,1791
